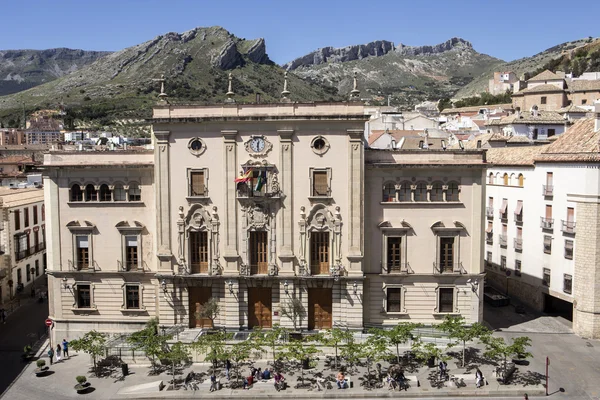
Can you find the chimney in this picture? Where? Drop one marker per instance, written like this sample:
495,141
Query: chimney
597,117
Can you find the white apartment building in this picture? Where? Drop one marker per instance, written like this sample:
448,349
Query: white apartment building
542,224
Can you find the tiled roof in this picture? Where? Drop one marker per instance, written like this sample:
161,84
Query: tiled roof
571,109
519,139
15,160
542,89
519,155
374,136
397,134
543,117
508,106
545,76
584,85
413,143
578,143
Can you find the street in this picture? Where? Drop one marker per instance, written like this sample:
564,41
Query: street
24,326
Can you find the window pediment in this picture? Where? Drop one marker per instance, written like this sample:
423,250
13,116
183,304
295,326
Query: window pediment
81,226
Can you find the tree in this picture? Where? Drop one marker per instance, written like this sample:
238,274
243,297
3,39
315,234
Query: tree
497,348
399,334
375,348
213,345
299,350
238,353
425,351
91,343
351,352
269,339
150,342
294,310
177,355
444,103
334,338
209,310
456,329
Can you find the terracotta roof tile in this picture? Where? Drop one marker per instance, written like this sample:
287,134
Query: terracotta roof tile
542,89
545,76
519,155
571,109
584,85
579,143
508,106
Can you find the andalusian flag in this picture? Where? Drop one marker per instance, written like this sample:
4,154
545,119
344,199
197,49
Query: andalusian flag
261,181
245,177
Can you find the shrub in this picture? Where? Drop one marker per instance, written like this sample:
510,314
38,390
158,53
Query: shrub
40,363
27,349
81,379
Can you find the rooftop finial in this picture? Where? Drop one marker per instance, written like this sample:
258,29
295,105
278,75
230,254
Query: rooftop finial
162,95
355,93
285,94
230,93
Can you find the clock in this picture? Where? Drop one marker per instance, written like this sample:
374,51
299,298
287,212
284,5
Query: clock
257,144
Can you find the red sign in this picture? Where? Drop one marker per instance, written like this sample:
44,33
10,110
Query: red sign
49,322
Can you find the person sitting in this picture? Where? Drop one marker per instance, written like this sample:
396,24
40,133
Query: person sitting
266,375
401,381
321,384
340,380
391,383
248,381
279,381
213,382
258,375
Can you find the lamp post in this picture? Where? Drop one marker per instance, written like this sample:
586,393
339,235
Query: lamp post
32,270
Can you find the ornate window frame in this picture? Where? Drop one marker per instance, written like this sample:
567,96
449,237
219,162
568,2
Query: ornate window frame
82,228
388,231
321,219
403,290
142,306
311,171
197,153
455,291
441,231
198,218
126,229
75,306
189,183
325,148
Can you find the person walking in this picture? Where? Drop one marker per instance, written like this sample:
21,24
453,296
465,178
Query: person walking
478,378
50,355
525,397
65,348
57,352
227,368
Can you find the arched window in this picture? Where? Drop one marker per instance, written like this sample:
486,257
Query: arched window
437,192
452,193
491,179
76,193
90,193
421,192
119,193
404,192
505,179
105,194
513,180
521,180
389,192
135,193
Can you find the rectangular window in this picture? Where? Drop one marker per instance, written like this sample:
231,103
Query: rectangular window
131,252
132,295
319,253
28,273
519,211
26,217
446,254
446,300
197,187
43,212
568,284
504,209
547,244
394,253
394,300
199,252
546,278
488,258
37,267
543,100
35,215
36,239
259,253
17,220
517,267
502,263
549,178
551,132
83,252
84,299
320,182
583,102
569,249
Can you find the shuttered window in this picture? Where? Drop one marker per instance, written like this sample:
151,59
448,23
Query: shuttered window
320,184
394,300
197,183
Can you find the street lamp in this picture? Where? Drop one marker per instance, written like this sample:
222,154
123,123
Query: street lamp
355,287
64,283
286,287
230,284
163,284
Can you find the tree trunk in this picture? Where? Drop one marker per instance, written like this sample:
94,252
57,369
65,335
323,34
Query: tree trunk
398,352
463,357
336,356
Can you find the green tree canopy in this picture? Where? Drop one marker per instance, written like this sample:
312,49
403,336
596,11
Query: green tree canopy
92,343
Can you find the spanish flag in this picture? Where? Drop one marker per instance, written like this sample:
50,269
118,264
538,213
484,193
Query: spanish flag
245,177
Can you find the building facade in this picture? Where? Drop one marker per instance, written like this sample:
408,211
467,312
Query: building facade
22,241
256,205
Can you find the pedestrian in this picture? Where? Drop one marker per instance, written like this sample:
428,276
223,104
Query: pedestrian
2,318
478,378
525,397
50,355
442,367
65,349
227,368
57,352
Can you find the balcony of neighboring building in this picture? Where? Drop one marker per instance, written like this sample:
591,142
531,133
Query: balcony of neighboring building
548,190
503,240
21,254
489,237
568,226
547,223
519,245
489,212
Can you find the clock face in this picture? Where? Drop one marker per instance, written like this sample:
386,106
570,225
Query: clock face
257,144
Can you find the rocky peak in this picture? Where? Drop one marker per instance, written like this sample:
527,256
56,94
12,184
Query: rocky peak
258,52
448,45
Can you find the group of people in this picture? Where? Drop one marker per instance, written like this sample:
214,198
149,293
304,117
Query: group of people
61,347
398,381
258,375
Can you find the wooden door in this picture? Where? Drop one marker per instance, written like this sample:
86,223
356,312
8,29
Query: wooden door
259,251
198,297
319,308
259,307
319,253
199,252
446,254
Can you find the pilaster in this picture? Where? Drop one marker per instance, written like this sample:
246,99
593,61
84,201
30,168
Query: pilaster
285,212
356,206
163,201
231,254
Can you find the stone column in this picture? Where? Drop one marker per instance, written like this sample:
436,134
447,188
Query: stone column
163,203
356,207
230,255
285,212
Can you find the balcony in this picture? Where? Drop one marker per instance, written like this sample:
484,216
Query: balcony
448,268
261,185
568,226
518,244
503,216
489,238
547,190
81,266
519,218
546,223
21,254
398,268
502,239
489,211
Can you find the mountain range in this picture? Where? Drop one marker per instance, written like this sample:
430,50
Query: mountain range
99,89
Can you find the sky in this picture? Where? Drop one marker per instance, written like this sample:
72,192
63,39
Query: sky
504,29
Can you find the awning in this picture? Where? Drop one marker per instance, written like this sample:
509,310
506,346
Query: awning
504,206
547,240
519,207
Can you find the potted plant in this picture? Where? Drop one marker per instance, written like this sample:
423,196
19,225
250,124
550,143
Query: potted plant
27,355
82,384
41,368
